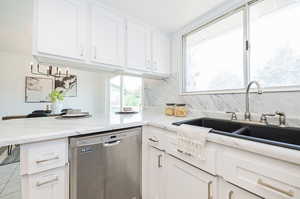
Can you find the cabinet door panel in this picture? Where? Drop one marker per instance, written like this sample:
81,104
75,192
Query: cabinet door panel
108,36
138,46
59,28
160,53
156,175
186,181
52,184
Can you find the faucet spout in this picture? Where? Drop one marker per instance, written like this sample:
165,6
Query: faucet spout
259,91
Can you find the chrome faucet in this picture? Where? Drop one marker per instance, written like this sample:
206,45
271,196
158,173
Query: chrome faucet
259,91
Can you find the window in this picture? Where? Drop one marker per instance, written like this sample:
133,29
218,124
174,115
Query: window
217,57
125,91
214,56
275,43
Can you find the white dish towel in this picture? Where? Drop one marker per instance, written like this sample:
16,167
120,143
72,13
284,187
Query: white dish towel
192,139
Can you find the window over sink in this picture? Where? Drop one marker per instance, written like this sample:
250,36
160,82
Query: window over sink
258,41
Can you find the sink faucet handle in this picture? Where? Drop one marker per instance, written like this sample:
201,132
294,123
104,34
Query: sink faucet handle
282,118
264,117
233,115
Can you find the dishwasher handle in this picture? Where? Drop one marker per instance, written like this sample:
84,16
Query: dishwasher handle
114,143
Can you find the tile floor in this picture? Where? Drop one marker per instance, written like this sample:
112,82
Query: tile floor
10,181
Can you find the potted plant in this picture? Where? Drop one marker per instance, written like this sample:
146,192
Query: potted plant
57,98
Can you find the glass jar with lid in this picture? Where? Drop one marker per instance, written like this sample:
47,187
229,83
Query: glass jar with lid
180,110
170,109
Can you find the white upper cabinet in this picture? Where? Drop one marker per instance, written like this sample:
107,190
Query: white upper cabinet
88,33
161,53
108,36
138,46
59,28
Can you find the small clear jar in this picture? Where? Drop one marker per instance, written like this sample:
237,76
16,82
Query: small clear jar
180,110
170,109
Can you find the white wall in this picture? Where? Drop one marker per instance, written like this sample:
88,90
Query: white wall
15,56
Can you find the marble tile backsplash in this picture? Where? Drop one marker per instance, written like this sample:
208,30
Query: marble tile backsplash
159,92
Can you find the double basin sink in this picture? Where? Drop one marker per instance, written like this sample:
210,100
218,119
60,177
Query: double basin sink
287,137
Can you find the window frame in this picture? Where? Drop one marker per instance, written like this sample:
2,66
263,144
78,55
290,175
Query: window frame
243,7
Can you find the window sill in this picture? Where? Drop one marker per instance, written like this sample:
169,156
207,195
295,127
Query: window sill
242,91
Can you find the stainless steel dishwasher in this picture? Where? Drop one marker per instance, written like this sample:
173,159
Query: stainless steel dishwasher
106,166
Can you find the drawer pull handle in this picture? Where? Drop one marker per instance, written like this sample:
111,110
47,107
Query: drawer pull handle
46,160
153,140
185,153
289,193
210,195
38,184
230,194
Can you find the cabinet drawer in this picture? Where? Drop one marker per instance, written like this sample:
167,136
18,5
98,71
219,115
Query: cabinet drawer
52,184
154,137
43,156
208,164
261,175
229,191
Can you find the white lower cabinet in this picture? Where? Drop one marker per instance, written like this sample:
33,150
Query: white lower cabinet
187,182
229,191
264,176
45,170
52,184
156,174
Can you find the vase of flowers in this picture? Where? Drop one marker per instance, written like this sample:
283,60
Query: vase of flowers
57,98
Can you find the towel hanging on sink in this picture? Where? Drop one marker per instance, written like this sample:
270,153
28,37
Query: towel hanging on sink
191,140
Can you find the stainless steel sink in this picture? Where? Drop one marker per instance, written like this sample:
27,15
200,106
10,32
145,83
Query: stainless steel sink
285,137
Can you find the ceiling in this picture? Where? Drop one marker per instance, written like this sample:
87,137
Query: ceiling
168,15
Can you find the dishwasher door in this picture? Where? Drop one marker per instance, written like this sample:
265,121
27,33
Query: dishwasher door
106,166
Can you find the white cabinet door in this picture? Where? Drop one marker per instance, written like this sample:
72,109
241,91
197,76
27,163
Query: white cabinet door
108,36
52,184
229,191
156,174
185,181
160,53
138,46
58,28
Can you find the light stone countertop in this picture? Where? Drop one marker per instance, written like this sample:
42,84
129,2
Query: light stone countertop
22,131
